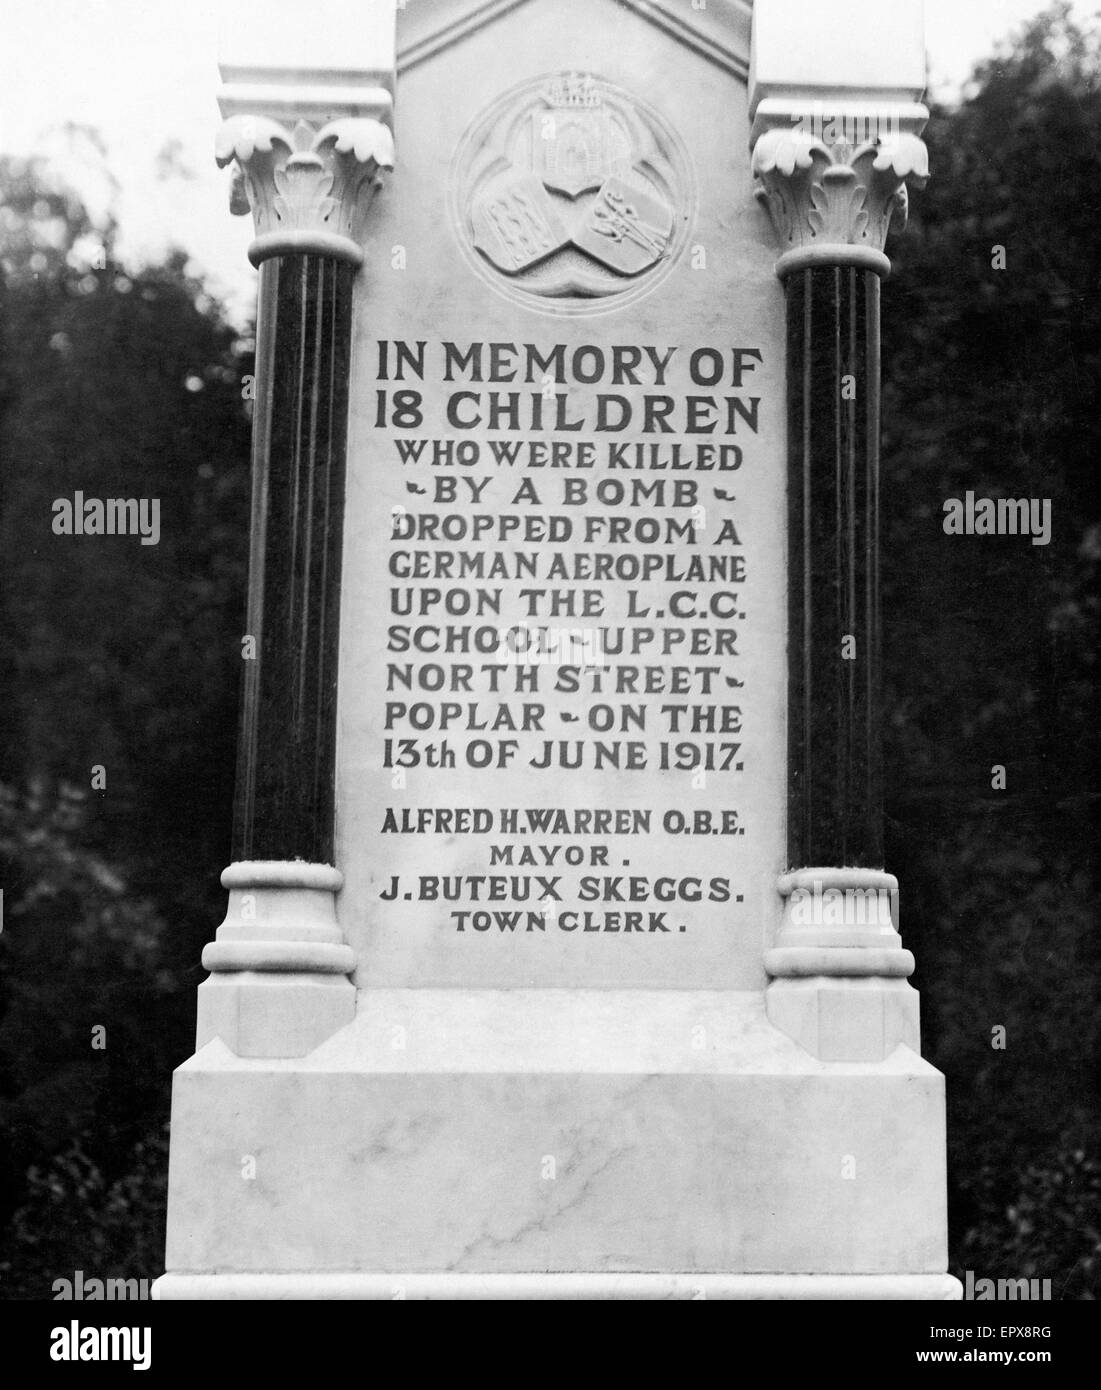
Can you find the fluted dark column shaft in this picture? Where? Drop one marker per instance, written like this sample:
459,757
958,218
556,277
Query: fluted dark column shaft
287,749
834,711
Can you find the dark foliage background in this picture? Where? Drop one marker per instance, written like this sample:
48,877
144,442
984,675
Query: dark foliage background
129,384
122,655
993,384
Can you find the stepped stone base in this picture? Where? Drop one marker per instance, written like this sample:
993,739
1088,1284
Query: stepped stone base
556,1144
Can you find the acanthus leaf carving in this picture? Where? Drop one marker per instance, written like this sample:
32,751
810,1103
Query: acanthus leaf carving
308,189
784,151
838,212
836,196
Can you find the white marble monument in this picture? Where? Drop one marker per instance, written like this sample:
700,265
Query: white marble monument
560,960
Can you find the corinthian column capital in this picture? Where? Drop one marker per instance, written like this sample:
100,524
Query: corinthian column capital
832,191
309,189
835,104
308,104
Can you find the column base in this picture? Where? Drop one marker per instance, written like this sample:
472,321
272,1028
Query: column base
546,1287
839,974
278,985
273,1015
846,1020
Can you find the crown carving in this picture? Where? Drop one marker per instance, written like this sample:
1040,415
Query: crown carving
573,90
308,189
833,202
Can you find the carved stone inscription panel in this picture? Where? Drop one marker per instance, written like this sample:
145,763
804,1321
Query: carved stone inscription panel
562,690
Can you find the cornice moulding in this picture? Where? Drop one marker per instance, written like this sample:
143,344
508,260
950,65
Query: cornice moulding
862,49
832,105
314,102
335,58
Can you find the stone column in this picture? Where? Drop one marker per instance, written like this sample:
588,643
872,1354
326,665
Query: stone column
832,166
309,156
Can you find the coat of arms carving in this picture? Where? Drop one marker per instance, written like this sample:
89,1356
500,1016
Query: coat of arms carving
571,190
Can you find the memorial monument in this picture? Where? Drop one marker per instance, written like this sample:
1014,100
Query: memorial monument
560,959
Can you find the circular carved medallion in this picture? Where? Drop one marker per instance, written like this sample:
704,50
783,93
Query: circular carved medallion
571,195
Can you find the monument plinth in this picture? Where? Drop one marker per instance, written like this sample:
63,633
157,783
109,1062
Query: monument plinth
561,960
